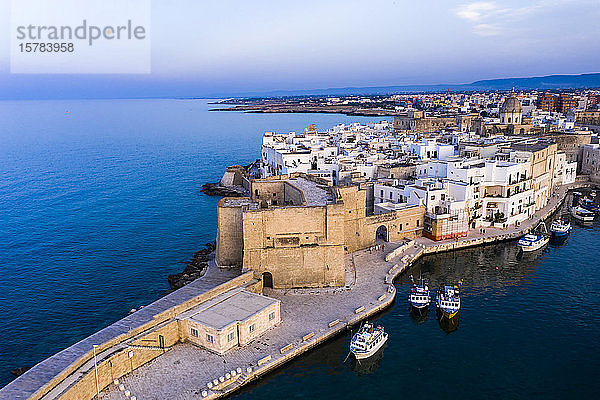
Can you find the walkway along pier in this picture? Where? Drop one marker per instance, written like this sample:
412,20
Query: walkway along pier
132,360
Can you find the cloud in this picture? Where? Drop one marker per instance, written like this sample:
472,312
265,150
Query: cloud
489,19
475,11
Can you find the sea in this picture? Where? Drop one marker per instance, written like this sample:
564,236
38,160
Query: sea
100,201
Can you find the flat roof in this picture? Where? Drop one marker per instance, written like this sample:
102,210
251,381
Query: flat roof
315,194
529,147
234,306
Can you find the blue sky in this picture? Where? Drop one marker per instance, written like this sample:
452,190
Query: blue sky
204,48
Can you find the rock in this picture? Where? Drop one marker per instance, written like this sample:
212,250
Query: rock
194,268
216,189
19,371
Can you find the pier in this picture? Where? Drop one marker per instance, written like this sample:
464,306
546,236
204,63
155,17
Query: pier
309,317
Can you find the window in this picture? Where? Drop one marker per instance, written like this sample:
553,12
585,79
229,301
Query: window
230,337
418,222
251,328
194,332
210,339
271,316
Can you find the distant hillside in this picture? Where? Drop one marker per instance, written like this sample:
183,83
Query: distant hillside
540,82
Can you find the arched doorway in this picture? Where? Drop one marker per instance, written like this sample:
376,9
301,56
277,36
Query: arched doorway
267,280
382,233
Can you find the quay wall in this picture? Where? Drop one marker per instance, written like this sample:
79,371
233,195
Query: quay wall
527,226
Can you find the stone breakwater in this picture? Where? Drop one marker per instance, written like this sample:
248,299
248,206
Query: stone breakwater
309,317
194,269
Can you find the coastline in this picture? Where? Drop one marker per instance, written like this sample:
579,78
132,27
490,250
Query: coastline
386,272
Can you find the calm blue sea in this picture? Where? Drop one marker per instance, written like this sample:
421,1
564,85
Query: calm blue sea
100,200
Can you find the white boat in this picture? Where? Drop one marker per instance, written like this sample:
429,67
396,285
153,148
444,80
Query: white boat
367,341
582,214
532,242
560,228
448,301
419,295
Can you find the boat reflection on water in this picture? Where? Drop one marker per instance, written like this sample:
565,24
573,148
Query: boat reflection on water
448,325
368,366
559,241
418,316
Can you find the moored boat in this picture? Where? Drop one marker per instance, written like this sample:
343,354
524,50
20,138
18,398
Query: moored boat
588,204
367,341
560,228
532,242
419,298
582,214
448,300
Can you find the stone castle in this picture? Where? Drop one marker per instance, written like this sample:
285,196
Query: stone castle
294,230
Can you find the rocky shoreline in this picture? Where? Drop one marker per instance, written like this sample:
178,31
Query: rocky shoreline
217,189
194,269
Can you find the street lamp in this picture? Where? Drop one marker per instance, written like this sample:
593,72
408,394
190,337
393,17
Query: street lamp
96,372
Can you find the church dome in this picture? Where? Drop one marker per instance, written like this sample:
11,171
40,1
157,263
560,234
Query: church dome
511,105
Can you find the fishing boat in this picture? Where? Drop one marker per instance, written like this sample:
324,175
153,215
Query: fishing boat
560,228
448,300
588,204
582,214
535,240
419,295
532,242
367,341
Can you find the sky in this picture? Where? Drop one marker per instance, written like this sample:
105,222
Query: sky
219,48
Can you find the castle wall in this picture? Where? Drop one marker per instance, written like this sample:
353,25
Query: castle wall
299,246
230,242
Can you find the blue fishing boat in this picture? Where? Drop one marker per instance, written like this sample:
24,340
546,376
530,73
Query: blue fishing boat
532,242
560,228
588,204
582,214
448,300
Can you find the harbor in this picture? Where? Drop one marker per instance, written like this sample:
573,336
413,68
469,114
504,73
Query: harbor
309,317
332,311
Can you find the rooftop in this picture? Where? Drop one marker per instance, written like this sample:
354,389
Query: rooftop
314,193
529,147
231,307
